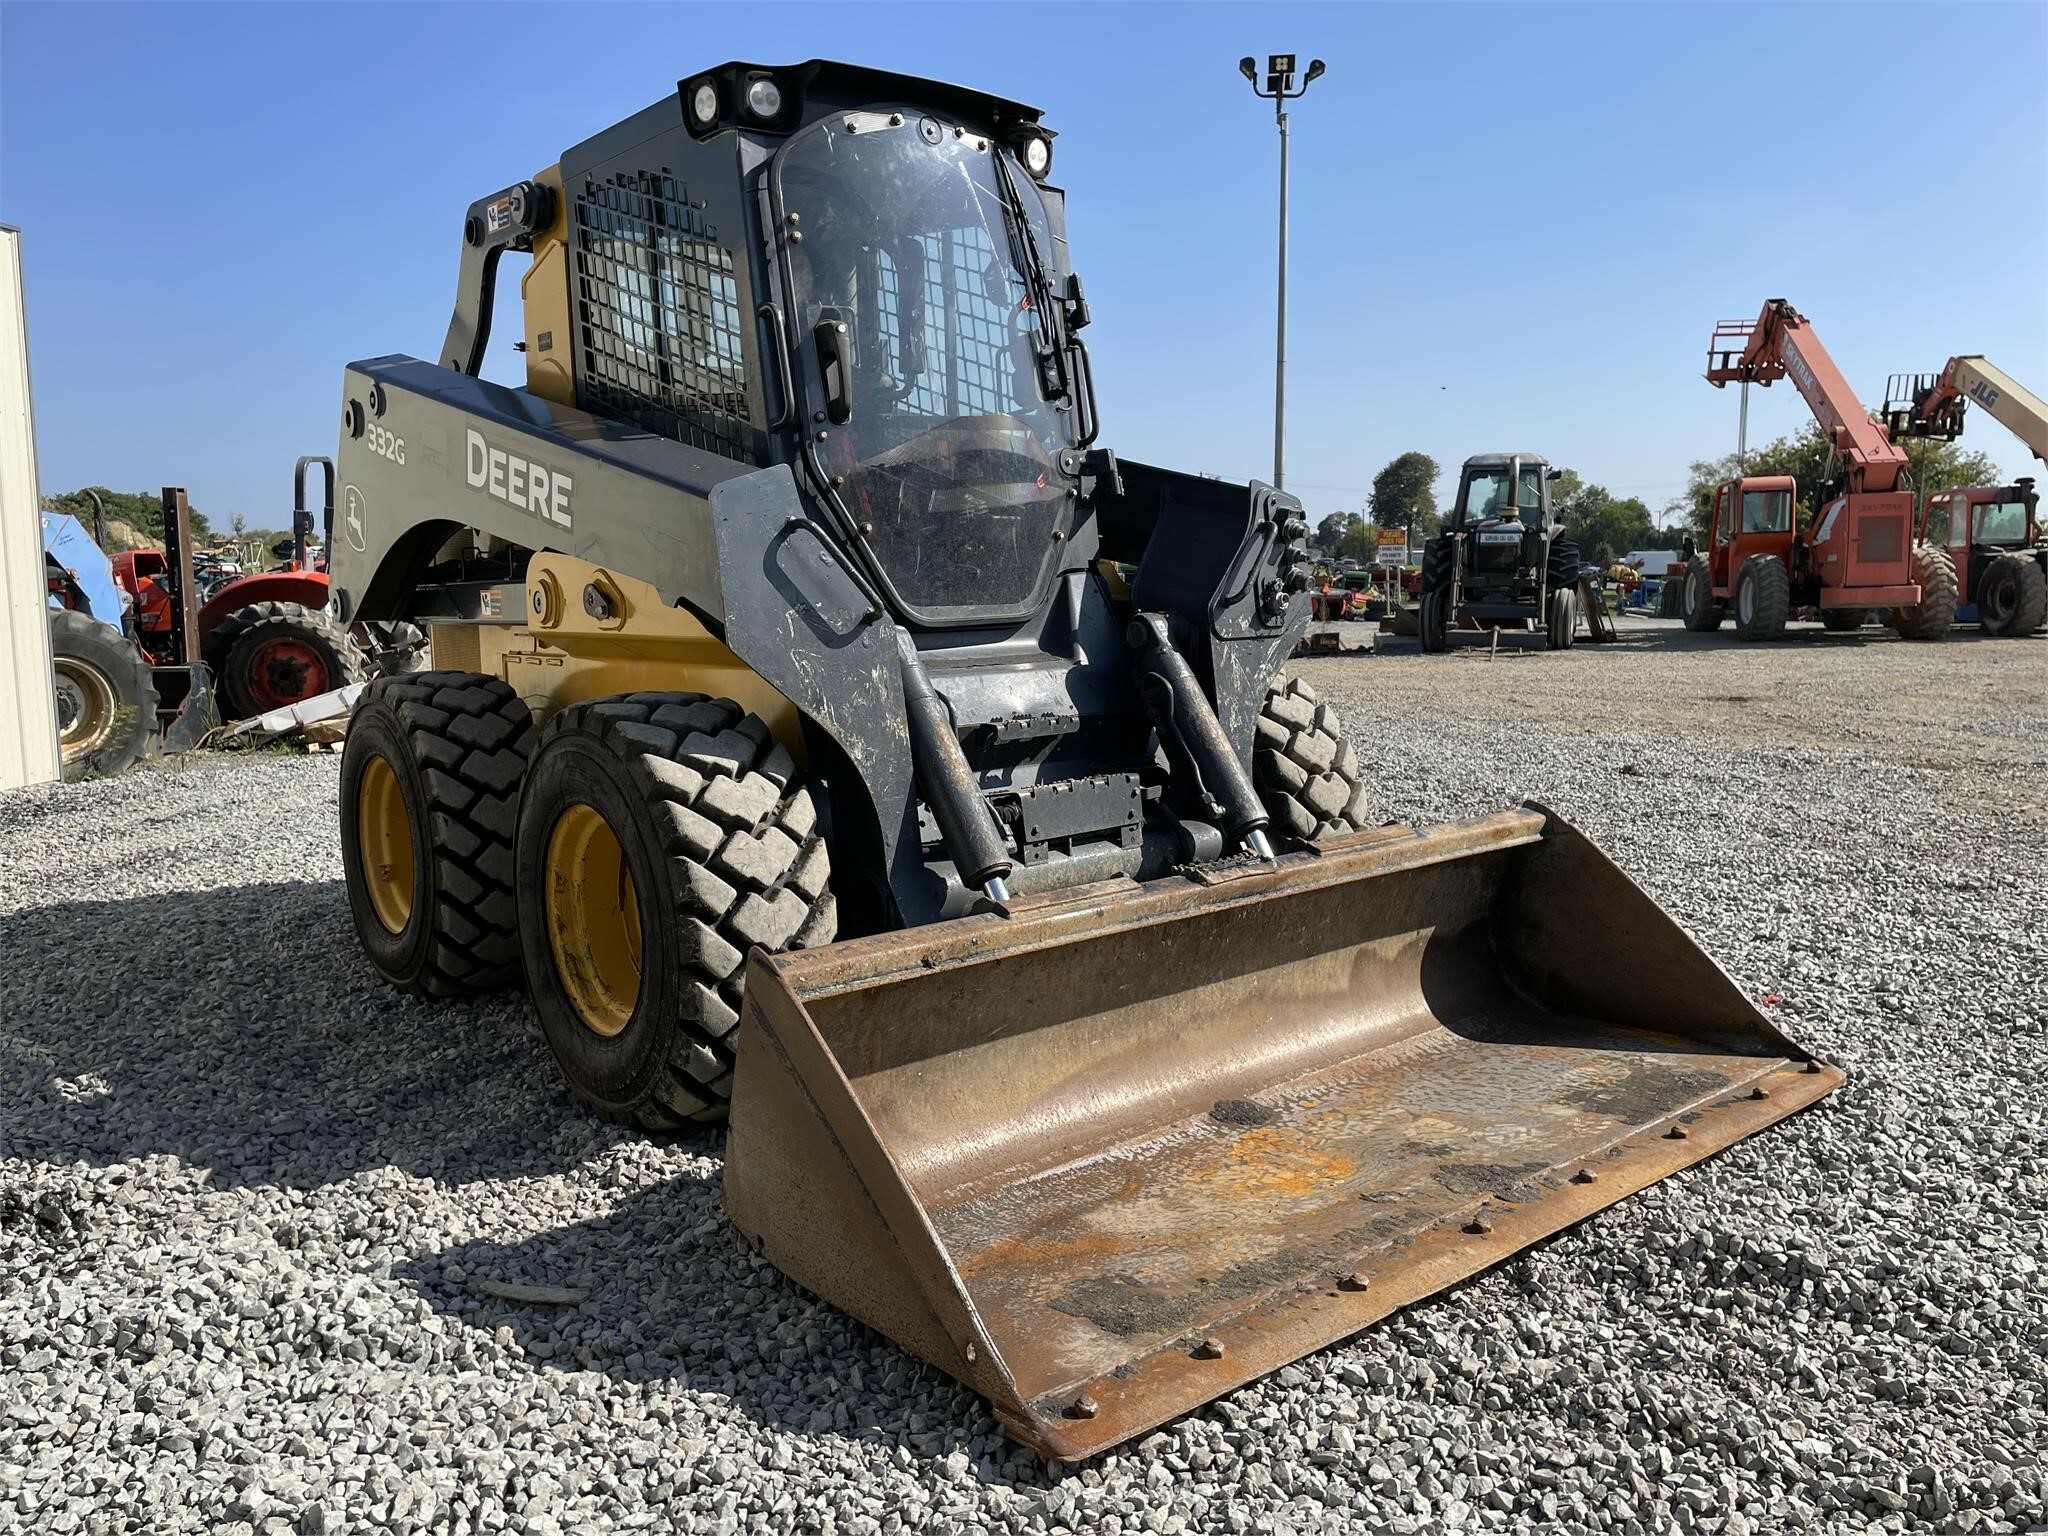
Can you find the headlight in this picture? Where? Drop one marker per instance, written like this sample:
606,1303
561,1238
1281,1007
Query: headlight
704,104
764,97
1036,153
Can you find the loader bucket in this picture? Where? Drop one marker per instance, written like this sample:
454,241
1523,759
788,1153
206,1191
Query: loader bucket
1130,1146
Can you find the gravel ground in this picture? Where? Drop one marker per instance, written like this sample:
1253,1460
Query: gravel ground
257,1214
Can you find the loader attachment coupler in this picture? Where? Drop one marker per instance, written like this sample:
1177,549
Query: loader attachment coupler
1116,1153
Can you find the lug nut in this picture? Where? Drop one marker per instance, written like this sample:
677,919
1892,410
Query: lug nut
1209,1349
1759,1092
1357,1280
1676,1133
1083,1407
1813,1069
1585,1176
1479,1226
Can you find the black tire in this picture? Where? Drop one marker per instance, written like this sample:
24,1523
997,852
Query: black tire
1935,613
1763,598
1698,606
1843,621
715,828
106,696
1304,767
1671,599
2013,600
1562,621
269,655
1433,622
457,744
1561,565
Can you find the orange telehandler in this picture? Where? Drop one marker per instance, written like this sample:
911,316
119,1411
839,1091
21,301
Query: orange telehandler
1858,553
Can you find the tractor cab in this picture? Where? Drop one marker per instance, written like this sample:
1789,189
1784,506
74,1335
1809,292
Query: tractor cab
1995,538
1503,509
1753,515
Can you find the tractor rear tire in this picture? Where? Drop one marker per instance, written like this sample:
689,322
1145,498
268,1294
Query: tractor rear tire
661,837
2014,598
1935,613
1562,622
1698,606
1763,598
1305,768
430,781
106,696
1562,564
270,655
1842,621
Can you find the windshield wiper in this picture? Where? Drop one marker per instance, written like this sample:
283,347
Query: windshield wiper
1024,249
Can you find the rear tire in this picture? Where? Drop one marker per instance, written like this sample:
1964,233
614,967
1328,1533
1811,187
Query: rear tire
1935,613
2014,598
430,780
1304,768
106,696
1763,598
1842,621
270,655
1698,606
1562,622
685,820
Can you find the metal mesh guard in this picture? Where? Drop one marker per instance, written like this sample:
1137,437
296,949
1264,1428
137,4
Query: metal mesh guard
659,306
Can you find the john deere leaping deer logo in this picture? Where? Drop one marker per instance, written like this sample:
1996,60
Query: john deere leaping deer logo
352,519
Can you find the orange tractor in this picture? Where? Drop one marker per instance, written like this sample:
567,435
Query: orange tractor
1858,554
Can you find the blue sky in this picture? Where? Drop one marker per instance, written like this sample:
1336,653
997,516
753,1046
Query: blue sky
1513,226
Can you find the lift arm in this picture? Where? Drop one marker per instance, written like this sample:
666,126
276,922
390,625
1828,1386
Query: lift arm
1780,342
1932,405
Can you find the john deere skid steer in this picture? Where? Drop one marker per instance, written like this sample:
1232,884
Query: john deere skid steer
795,737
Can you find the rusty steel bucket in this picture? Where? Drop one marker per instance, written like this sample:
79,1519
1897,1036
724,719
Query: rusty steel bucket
1130,1146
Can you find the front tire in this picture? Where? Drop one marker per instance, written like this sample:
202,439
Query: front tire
106,696
1433,623
272,655
1935,613
1562,622
1763,598
661,836
2014,598
1698,606
430,780
1305,769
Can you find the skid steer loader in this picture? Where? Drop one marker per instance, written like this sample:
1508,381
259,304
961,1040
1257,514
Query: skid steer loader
794,734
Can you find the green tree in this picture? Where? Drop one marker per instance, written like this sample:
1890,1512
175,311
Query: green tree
142,510
1930,466
1606,526
1406,490
1330,530
1361,542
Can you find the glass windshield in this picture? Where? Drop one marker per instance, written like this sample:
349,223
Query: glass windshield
2002,522
1766,511
1937,523
950,458
1486,494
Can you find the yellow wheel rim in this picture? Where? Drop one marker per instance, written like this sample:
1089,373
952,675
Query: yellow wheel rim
85,708
384,838
593,918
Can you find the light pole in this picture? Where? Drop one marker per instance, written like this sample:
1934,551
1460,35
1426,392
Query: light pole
1280,89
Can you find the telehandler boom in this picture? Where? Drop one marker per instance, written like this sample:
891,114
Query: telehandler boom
797,741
